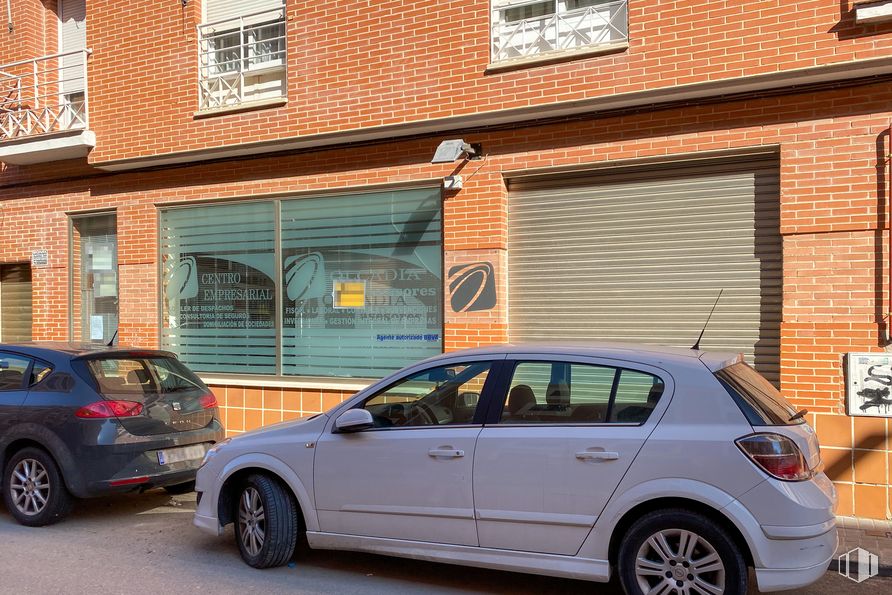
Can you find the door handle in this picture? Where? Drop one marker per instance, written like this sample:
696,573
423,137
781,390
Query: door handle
597,455
451,453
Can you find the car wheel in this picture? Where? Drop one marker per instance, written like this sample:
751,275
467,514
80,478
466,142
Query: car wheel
266,522
34,490
180,488
678,551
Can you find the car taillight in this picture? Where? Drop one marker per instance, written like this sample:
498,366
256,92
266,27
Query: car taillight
777,455
207,401
106,409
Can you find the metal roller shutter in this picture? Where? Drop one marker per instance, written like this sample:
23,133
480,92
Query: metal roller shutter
640,253
15,303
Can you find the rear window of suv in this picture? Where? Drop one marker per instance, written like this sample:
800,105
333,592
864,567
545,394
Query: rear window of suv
758,399
138,375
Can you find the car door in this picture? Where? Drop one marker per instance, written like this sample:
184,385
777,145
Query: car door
557,445
14,369
410,476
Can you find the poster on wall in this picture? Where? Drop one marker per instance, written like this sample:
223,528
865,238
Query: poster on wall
869,384
230,291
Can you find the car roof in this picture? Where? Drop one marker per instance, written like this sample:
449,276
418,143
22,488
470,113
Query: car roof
639,352
73,350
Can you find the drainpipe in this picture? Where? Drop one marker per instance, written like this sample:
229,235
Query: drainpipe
888,312
9,15
887,315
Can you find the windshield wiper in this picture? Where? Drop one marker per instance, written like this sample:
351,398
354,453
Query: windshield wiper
799,415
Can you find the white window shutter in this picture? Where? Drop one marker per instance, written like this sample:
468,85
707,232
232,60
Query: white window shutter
219,10
72,36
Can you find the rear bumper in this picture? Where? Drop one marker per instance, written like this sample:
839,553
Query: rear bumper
122,462
775,577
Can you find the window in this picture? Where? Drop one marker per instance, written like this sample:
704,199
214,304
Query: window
758,399
94,277
558,392
241,53
12,371
363,282
524,28
155,375
220,284
39,371
353,288
446,395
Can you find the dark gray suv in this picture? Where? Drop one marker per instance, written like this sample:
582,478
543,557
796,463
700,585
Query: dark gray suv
85,420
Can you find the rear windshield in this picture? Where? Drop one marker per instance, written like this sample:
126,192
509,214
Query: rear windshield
760,401
143,375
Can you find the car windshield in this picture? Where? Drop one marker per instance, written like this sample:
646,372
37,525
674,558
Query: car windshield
142,375
760,401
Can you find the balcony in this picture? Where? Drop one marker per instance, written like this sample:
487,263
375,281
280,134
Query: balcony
242,62
43,109
596,25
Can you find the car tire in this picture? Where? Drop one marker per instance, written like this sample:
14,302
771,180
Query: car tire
33,488
266,522
676,549
180,488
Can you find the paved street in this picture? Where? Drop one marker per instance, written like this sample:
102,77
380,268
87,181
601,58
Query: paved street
146,544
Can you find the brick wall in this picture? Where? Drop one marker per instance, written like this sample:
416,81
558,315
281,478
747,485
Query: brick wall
391,62
34,30
834,197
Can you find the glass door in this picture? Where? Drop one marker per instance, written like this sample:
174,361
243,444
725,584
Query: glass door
95,278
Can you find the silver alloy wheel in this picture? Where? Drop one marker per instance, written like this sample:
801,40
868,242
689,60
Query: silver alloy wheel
30,487
679,561
251,521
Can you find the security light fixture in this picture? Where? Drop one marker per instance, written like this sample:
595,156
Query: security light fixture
453,150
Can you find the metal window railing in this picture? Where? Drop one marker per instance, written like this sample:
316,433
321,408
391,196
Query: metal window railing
241,59
44,95
601,24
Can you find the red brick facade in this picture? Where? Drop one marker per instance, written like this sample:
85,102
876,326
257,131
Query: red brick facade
352,69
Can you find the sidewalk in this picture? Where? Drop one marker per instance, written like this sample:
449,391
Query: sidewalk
871,535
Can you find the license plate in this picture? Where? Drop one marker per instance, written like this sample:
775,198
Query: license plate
184,453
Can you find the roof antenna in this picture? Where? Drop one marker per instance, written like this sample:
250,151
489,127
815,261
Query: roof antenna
697,344
115,336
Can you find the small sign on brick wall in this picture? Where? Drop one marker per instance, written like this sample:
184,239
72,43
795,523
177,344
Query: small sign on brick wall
869,384
39,258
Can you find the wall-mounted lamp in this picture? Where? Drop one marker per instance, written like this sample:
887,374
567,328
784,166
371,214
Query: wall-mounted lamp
450,151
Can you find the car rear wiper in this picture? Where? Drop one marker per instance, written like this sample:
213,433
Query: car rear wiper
799,414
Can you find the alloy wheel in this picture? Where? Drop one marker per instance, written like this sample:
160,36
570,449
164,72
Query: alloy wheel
29,486
681,562
251,521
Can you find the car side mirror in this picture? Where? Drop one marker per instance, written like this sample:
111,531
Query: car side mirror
354,420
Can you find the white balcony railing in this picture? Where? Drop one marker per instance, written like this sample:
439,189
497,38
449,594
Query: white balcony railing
602,24
241,59
44,95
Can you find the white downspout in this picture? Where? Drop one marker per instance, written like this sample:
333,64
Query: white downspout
9,15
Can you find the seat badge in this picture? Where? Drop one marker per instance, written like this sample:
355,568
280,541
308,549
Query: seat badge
176,406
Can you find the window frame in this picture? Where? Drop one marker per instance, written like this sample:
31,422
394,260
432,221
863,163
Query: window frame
243,69
498,25
500,395
494,378
278,201
29,370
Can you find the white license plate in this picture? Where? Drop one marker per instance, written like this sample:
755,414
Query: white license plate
184,453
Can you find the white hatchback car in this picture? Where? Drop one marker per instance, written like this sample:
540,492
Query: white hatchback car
677,468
